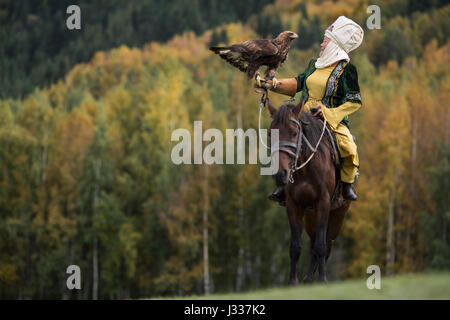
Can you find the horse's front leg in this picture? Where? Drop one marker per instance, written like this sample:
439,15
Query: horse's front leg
312,265
295,222
320,244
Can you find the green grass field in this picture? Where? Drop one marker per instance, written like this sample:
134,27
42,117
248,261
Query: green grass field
411,286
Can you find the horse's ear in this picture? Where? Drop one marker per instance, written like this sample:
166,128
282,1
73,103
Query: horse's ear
272,109
298,108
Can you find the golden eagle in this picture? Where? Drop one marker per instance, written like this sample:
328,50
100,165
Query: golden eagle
249,56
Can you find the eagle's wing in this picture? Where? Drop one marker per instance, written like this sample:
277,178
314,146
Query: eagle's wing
244,55
255,49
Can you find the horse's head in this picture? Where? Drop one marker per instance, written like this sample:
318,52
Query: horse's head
286,120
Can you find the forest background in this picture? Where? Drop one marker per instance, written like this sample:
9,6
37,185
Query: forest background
86,118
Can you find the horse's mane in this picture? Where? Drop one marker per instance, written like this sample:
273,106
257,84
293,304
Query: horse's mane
311,126
283,115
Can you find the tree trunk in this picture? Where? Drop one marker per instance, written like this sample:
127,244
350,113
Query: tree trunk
410,216
205,233
94,268
390,257
240,272
95,278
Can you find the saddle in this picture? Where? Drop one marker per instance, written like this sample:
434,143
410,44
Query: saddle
337,159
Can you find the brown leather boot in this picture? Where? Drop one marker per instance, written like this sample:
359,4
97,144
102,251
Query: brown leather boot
278,195
348,192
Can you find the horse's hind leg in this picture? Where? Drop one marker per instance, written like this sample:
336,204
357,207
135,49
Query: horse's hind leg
329,247
335,223
314,261
295,222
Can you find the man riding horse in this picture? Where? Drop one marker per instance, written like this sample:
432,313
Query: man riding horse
330,90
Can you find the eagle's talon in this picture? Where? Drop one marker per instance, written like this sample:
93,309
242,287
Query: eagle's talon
274,82
258,79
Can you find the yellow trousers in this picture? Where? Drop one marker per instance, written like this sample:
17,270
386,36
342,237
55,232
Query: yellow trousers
346,145
349,153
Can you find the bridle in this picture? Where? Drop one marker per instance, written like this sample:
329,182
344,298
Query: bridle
283,147
283,144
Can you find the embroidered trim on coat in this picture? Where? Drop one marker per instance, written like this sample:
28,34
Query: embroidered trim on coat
353,96
331,84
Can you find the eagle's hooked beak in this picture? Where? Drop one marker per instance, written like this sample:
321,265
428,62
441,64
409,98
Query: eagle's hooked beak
293,35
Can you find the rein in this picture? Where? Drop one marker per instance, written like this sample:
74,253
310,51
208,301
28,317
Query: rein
264,98
298,146
314,150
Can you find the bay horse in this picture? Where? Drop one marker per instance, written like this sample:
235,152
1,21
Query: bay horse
312,199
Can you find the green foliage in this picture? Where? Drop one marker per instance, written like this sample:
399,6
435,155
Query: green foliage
395,44
37,48
269,25
311,32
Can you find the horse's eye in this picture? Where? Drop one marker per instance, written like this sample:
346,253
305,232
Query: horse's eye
294,135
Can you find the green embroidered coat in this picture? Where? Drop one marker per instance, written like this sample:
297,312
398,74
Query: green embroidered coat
342,85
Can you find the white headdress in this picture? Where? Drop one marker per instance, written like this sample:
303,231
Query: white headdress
346,35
